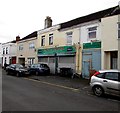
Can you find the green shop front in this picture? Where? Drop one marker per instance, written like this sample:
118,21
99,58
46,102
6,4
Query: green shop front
91,58
57,57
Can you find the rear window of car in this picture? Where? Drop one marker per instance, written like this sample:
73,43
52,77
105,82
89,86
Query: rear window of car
112,76
100,75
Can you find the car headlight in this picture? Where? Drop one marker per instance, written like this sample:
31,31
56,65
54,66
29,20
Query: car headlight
20,71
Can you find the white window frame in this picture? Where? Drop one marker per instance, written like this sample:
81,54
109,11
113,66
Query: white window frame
31,45
69,38
92,30
43,40
6,50
118,30
20,47
51,39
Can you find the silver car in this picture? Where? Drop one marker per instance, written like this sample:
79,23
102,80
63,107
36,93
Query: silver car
106,81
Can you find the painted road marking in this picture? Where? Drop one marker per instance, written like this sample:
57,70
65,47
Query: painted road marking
61,86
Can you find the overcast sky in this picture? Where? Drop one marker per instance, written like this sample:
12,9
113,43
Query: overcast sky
22,17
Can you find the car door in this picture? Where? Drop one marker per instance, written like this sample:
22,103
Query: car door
112,82
32,69
12,69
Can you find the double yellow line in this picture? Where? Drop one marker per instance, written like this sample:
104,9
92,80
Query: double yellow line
56,85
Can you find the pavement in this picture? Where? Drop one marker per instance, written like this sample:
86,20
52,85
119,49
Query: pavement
76,83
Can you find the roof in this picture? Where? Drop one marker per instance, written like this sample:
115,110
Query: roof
110,70
34,34
94,16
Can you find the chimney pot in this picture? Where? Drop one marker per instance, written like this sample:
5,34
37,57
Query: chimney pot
17,38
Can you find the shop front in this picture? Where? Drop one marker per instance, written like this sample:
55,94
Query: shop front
58,57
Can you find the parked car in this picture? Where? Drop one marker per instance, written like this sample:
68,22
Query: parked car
106,81
39,69
17,69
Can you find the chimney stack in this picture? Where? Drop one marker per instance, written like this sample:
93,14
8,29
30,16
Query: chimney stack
17,38
48,22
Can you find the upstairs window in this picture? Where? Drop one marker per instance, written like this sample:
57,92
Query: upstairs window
119,30
31,45
69,38
50,39
6,50
3,50
20,47
43,41
92,31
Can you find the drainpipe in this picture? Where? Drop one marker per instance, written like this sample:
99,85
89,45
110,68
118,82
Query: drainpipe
79,52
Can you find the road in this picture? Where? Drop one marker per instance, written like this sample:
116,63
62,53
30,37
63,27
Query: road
23,94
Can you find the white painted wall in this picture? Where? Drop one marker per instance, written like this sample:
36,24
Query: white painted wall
12,51
84,32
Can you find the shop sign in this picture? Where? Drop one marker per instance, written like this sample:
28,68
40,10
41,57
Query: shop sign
92,45
57,50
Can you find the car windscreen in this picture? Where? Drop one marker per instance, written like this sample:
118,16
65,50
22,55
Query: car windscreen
44,66
19,66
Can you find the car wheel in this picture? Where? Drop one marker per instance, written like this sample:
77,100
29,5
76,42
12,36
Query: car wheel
17,74
98,90
7,72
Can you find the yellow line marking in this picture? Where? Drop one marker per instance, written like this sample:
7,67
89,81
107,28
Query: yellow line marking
61,86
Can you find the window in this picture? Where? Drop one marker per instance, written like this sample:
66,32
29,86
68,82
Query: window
112,76
118,30
3,50
6,50
31,45
50,39
21,47
92,32
31,61
101,75
69,38
43,41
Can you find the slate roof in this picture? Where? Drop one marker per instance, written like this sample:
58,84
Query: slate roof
94,16
34,34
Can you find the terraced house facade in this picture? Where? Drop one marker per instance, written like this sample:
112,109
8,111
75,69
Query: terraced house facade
84,44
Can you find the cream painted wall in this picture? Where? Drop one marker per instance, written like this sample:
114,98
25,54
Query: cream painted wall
109,39
26,52
59,39
109,33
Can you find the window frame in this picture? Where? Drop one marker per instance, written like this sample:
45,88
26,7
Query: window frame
31,45
43,40
51,39
92,30
20,47
69,36
118,26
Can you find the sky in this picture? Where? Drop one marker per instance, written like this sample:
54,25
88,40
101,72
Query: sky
22,17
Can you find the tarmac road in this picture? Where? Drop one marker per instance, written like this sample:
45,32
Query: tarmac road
25,94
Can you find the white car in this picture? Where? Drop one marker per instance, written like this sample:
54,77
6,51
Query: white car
106,81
